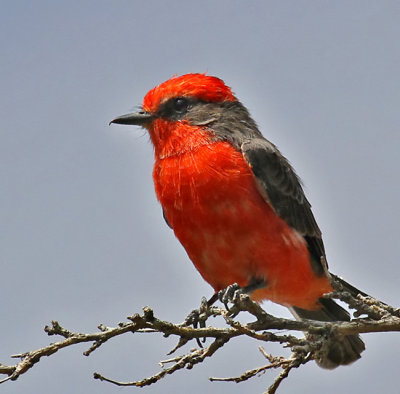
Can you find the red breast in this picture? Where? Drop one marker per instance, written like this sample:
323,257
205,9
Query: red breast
211,200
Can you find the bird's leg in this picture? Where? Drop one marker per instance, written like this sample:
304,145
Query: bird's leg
212,299
254,284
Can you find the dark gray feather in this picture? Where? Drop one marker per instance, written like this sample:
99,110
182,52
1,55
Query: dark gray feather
277,181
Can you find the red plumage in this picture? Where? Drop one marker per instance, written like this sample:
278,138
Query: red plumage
235,203
201,86
211,200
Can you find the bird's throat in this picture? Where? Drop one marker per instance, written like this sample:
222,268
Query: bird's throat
176,138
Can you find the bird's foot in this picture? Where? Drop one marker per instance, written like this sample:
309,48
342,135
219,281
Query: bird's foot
229,295
232,293
197,317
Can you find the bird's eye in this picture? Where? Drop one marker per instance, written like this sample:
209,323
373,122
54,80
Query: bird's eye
181,104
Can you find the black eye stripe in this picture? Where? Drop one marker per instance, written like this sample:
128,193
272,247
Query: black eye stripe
176,107
180,104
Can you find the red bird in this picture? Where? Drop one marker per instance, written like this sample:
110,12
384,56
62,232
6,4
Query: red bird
236,204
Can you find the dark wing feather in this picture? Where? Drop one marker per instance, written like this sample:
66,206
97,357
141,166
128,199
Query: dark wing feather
277,181
281,187
166,220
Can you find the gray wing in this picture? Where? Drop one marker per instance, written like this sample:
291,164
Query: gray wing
281,187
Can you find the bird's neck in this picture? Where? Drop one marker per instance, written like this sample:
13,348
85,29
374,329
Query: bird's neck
177,138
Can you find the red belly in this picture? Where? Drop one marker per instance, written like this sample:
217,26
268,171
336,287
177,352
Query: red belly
230,233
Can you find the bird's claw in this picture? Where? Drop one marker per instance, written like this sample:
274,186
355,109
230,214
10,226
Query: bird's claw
230,295
197,318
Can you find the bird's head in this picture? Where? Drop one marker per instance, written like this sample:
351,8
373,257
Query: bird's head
187,111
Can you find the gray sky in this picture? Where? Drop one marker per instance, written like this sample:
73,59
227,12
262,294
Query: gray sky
82,238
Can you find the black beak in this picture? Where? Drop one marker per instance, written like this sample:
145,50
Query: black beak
137,118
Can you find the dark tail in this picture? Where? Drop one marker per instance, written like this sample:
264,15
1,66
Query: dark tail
338,350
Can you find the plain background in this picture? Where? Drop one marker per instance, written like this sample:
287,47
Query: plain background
82,238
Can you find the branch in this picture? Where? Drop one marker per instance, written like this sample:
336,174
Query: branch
378,317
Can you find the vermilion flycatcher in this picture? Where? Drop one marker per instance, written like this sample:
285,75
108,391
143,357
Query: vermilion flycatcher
236,204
